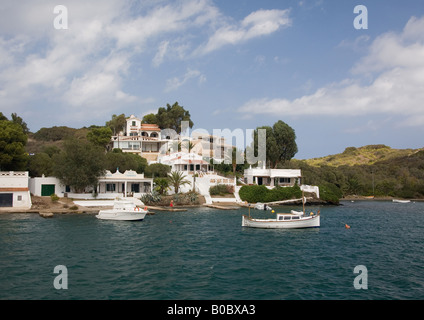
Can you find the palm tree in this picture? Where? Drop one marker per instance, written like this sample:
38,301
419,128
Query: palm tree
231,156
177,179
189,146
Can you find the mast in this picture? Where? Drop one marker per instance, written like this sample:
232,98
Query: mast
303,201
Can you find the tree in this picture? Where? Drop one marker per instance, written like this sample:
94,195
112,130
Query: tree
18,120
100,136
117,123
188,146
150,119
280,142
12,146
171,117
155,170
161,185
271,146
54,133
79,165
231,156
286,140
39,164
177,179
124,161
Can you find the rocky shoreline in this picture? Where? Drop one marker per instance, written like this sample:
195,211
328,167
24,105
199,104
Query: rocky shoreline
47,208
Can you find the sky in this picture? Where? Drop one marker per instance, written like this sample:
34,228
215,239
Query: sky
338,77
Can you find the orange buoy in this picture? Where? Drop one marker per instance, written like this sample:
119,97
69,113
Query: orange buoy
347,226
145,208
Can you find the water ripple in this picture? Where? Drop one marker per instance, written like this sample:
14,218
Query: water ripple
206,254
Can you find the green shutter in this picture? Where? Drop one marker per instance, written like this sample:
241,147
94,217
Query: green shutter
47,190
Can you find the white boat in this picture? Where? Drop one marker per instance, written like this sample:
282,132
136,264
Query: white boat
123,210
283,221
262,206
401,201
292,220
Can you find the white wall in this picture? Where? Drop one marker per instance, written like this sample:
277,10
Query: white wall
10,180
36,183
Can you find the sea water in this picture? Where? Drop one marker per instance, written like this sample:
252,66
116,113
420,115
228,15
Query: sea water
205,253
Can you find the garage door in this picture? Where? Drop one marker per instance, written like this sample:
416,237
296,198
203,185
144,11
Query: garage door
47,190
6,199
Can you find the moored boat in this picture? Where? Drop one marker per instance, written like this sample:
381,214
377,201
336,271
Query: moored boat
123,210
283,221
292,220
401,201
262,206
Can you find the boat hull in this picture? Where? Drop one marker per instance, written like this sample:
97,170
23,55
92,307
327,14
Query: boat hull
308,222
401,201
121,216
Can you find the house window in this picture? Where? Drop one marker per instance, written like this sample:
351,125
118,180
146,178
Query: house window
284,180
134,145
19,198
111,187
133,124
135,188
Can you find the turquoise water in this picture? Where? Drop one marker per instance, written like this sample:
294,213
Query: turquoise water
205,254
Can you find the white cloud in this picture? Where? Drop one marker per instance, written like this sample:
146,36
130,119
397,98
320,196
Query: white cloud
258,23
396,63
85,68
176,82
163,47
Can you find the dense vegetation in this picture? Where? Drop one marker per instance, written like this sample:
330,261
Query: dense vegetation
169,117
375,170
13,140
387,172
255,193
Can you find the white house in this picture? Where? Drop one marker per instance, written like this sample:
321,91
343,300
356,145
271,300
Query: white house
199,173
187,162
111,185
272,177
128,184
140,138
46,186
277,177
14,190
150,141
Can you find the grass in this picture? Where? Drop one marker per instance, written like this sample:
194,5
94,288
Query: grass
359,156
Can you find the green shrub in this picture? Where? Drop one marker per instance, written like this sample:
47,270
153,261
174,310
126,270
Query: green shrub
330,193
54,197
221,189
255,193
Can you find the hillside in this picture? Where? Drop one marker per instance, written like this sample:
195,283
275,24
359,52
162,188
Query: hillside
375,170
366,155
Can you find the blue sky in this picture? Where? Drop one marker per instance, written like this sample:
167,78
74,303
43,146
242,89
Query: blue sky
232,64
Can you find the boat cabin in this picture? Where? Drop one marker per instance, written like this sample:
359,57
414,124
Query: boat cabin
288,217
